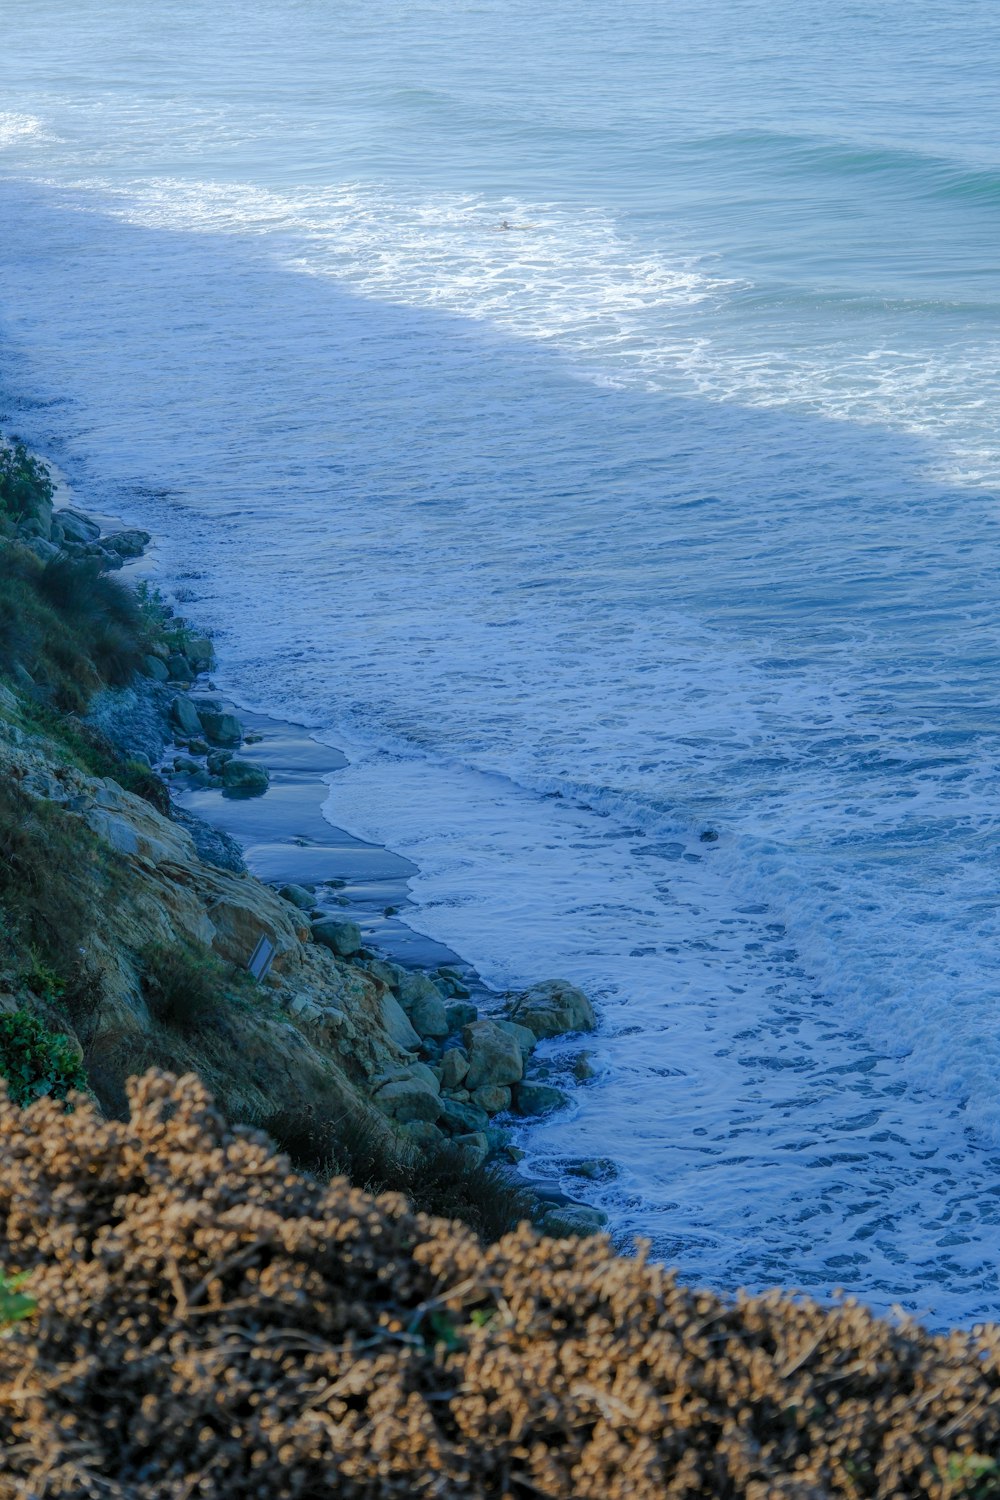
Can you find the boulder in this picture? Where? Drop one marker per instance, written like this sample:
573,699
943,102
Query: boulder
296,894
179,669
220,728
474,1148
523,1035
572,1219
153,667
553,1007
184,715
200,652
217,760
127,543
78,527
407,1099
427,1015
415,986
244,777
460,1118
386,973
460,1013
454,1066
422,1133
492,1097
494,1055
342,938
396,1022
538,1099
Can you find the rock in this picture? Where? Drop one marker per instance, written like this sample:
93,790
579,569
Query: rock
583,1068
553,1007
128,543
342,938
538,1099
452,984
523,1035
200,653
221,729
594,1168
460,1118
153,667
408,1099
474,1147
43,550
217,762
184,715
296,894
422,1133
242,776
416,986
454,1066
413,1072
386,973
179,669
569,1219
427,1015
494,1056
460,1014
397,1023
78,527
492,1097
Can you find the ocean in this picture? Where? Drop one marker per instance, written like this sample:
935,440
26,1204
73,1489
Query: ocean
588,417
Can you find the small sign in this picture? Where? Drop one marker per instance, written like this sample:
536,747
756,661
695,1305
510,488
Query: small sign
261,959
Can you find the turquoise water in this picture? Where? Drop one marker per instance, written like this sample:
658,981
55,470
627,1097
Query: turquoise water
677,499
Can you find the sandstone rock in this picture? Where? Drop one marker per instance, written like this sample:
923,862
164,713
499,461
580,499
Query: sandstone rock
491,1097
342,938
460,1119
494,1055
553,1007
220,728
454,1066
397,1023
296,894
244,777
460,1013
184,715
569,1219
538,1099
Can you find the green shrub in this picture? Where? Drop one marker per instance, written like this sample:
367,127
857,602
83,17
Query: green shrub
182,986
35,1060
24,482
15,1305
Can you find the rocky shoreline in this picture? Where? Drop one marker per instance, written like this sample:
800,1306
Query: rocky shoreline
458,1067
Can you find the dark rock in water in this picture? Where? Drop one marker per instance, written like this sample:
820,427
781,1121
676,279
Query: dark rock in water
342,938
184,715
583,1068
221,729
128,543
242,776
77,527
213,846
595,1168
553,1007
296,894
709,836
218,760
153,667
201,653
570,1219
538,1099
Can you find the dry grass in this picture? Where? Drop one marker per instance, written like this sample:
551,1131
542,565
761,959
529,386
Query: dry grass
210,1324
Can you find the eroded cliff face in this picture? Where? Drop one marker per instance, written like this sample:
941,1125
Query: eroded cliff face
315,1027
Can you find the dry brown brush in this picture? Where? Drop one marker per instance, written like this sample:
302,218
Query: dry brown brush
211,1324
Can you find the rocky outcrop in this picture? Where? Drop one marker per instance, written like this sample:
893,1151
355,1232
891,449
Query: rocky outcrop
552,1008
